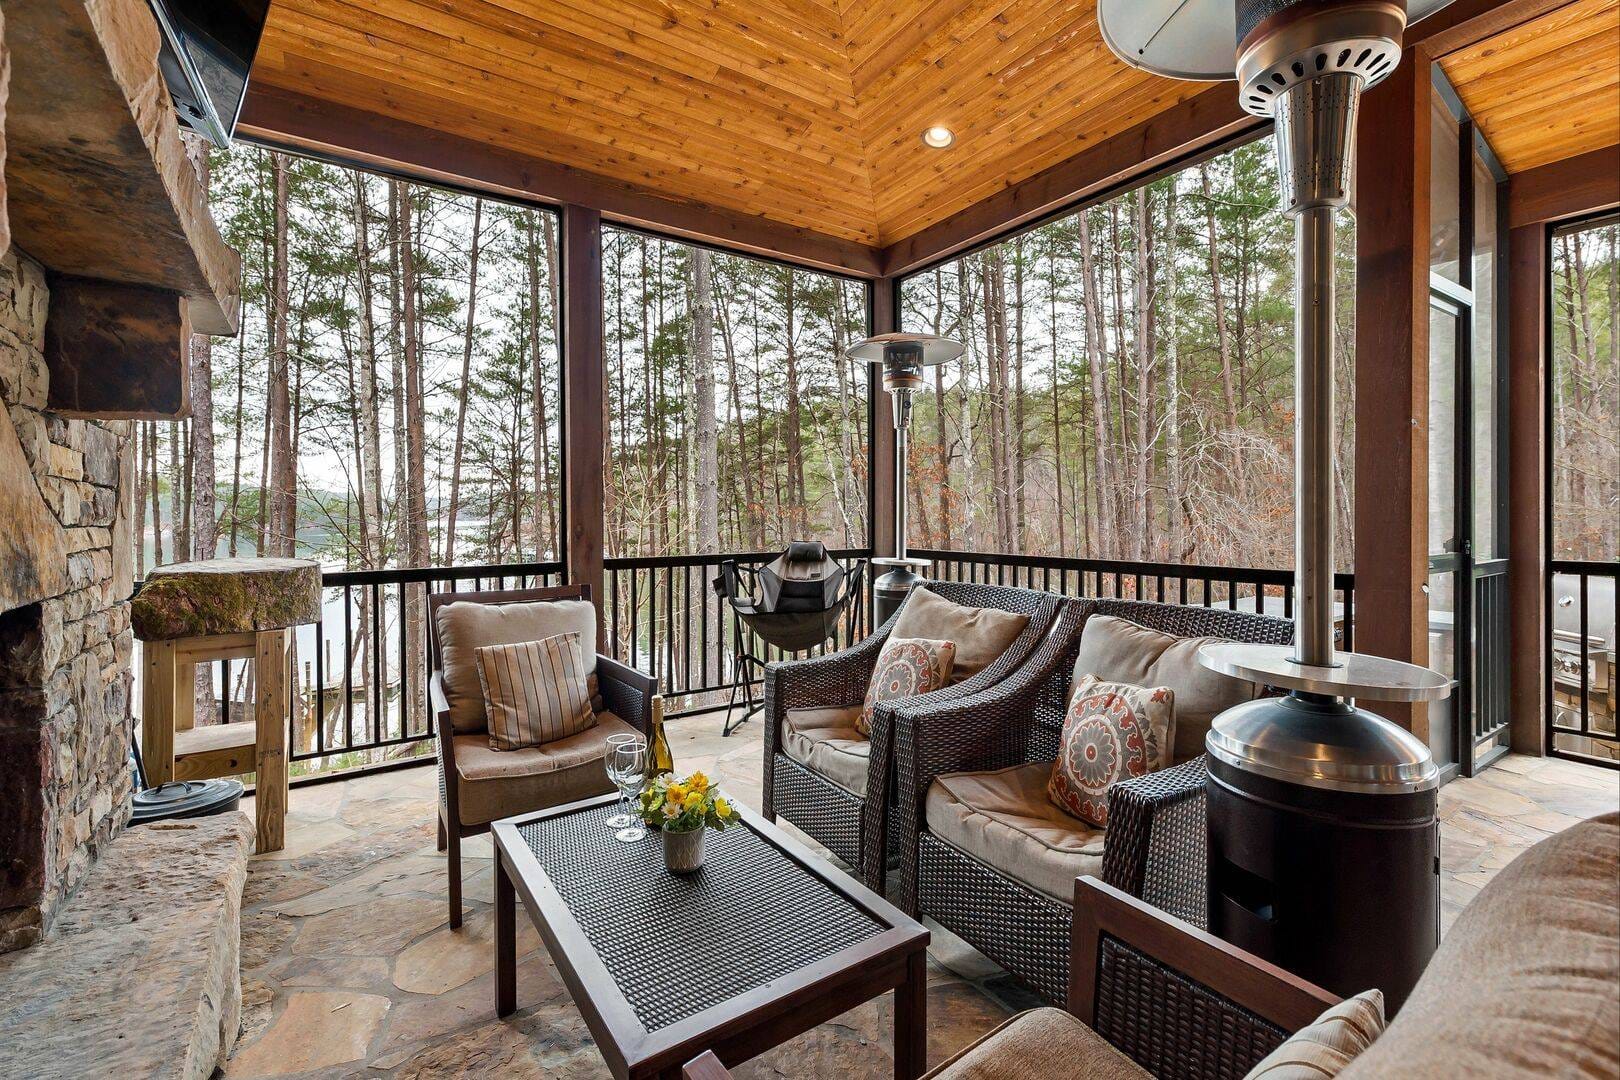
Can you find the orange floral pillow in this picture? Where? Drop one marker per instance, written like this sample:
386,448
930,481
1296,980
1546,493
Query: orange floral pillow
905,668
1112,732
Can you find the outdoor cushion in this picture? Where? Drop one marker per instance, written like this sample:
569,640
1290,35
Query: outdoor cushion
979,634
1004,818
1041,1044
464,626
499,783
1524,982
826,742
1324,1047
534,691
1118,650
1111,732
905,668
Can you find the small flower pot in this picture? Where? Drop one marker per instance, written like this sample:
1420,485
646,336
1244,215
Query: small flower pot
683,851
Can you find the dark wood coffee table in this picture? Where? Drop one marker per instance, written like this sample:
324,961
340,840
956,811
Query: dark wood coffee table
766,941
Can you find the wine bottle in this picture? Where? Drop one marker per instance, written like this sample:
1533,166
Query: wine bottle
659,757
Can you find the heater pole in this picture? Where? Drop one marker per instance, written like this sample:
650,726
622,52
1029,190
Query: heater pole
1313,436
902,426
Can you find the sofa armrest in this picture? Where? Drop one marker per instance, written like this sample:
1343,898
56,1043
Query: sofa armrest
1156,847
628,694
444,734
1167,994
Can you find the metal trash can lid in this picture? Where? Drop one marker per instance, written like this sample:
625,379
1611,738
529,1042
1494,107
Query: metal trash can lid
185,799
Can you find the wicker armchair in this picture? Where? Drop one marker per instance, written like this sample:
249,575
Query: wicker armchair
1154,847
626,693
847,822
1166,995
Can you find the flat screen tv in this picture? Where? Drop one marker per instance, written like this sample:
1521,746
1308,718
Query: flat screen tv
208,48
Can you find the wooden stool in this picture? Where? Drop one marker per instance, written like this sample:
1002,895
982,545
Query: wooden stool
179,750
225,609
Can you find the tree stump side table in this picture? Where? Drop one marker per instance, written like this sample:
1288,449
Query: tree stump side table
194,613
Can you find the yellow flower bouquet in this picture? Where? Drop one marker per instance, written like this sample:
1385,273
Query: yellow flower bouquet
682,810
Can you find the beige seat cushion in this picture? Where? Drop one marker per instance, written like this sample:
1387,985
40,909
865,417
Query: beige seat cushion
1041,1044
1004,818
499,783
1527,981
979,634
1118,650
825,742
1324,1047
464,626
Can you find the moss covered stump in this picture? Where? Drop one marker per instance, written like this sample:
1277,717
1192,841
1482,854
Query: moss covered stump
226,596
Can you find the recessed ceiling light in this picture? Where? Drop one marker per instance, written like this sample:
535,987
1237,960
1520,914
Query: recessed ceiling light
938,137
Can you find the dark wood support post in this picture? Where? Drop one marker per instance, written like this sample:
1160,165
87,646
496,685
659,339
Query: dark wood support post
1527,495
1392,375
584,407
884,316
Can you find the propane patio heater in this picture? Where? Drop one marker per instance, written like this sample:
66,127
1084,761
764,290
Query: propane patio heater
1323,837
903,358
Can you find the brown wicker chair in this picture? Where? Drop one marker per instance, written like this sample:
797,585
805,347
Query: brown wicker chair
1154,847
625,692
1166,995
842,820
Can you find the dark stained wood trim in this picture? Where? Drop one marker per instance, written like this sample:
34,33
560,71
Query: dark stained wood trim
1200,123
1526,478
1255,984
584,405
1392,375
1468,22
298,122
884,318
116,351
1568,188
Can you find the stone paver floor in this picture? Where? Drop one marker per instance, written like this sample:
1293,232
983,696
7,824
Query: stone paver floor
349,967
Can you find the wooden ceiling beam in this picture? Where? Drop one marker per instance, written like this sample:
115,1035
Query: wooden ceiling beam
1194,126
1568,188
304,124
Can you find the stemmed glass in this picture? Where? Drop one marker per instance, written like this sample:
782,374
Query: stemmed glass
627,767
622,816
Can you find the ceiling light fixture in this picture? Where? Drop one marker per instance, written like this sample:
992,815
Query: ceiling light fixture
938,137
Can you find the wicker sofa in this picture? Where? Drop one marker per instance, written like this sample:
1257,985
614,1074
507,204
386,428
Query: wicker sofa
477,785
845,810
982,760
1519,987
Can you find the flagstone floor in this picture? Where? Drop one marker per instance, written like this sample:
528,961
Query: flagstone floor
349,968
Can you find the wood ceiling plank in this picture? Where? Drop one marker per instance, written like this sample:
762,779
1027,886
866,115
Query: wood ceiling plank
507,80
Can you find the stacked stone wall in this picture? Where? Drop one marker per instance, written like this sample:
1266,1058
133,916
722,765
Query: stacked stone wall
65,678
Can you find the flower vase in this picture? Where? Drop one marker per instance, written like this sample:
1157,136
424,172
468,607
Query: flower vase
683,850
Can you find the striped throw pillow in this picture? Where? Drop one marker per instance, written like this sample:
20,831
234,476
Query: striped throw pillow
535,692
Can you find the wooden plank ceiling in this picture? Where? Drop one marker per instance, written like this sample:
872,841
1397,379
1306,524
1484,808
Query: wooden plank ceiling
805,112
1548,89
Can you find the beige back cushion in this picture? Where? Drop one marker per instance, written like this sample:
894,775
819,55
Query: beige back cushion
1323,1048
1527,980
980,635
465,626
1118,650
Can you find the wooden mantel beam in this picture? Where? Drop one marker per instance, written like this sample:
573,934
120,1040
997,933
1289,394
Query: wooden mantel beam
295,121
99,183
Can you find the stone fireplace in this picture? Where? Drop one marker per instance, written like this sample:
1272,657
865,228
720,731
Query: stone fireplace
64,658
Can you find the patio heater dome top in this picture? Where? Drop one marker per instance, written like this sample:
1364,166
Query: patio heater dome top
928,350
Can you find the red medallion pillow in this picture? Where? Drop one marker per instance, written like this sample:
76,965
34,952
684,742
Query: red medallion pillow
1112,732
906,667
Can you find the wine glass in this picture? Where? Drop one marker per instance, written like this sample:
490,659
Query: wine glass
622,816
627,766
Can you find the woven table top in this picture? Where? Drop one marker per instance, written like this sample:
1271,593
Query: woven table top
677,945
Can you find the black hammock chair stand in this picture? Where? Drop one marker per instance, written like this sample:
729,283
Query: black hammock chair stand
792,603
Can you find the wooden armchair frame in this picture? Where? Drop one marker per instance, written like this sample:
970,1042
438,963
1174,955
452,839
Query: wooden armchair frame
626,692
